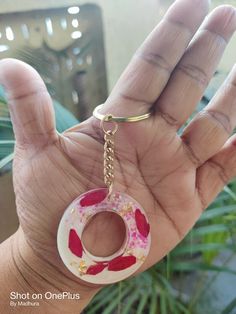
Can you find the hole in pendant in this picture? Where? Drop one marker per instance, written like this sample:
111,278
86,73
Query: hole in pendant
104,234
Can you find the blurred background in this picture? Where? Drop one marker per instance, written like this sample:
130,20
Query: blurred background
80,49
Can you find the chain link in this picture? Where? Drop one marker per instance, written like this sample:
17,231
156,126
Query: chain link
109,154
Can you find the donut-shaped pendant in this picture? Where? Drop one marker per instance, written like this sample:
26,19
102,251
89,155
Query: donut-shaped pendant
120,265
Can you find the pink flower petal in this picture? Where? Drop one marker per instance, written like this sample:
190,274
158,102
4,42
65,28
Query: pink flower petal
94,197
75,244
141,222
121,262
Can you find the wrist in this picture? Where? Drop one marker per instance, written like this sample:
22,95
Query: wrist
25,275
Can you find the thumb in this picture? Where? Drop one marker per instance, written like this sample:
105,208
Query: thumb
29,103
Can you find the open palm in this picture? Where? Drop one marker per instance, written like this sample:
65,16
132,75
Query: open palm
173,177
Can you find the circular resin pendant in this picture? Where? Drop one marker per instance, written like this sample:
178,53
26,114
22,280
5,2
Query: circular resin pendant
109,269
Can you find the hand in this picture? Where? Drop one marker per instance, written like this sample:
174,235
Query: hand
173,177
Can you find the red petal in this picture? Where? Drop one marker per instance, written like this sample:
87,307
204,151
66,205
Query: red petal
93,197
121,262
141,222
75,244
95,269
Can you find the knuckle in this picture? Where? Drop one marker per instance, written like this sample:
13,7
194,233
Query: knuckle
195,72
190,153
23,92
219,168
154,59
179,25
220,118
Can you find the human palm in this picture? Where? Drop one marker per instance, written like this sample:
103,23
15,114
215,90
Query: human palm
174,177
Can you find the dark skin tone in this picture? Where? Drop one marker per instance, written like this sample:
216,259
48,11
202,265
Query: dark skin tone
173,177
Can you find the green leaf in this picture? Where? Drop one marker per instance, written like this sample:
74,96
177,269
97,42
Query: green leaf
8,142
64,118
217,212
5,119
168,265
153,305
230,192
130,302
231,218
182,308
172,304
6,148
230,307
166,285
101,299
6,160
163,304
6,125
200,231
142,303
114,302
202,247
193,266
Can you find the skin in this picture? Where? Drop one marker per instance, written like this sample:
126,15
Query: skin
174,177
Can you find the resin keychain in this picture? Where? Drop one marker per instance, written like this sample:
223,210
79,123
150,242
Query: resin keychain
135,248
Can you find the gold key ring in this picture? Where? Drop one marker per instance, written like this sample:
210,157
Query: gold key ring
109,117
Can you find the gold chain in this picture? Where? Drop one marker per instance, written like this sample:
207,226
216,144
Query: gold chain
109,154
109,159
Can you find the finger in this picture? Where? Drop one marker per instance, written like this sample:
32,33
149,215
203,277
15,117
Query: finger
29,103
210,129
193,73
217,172
150,68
